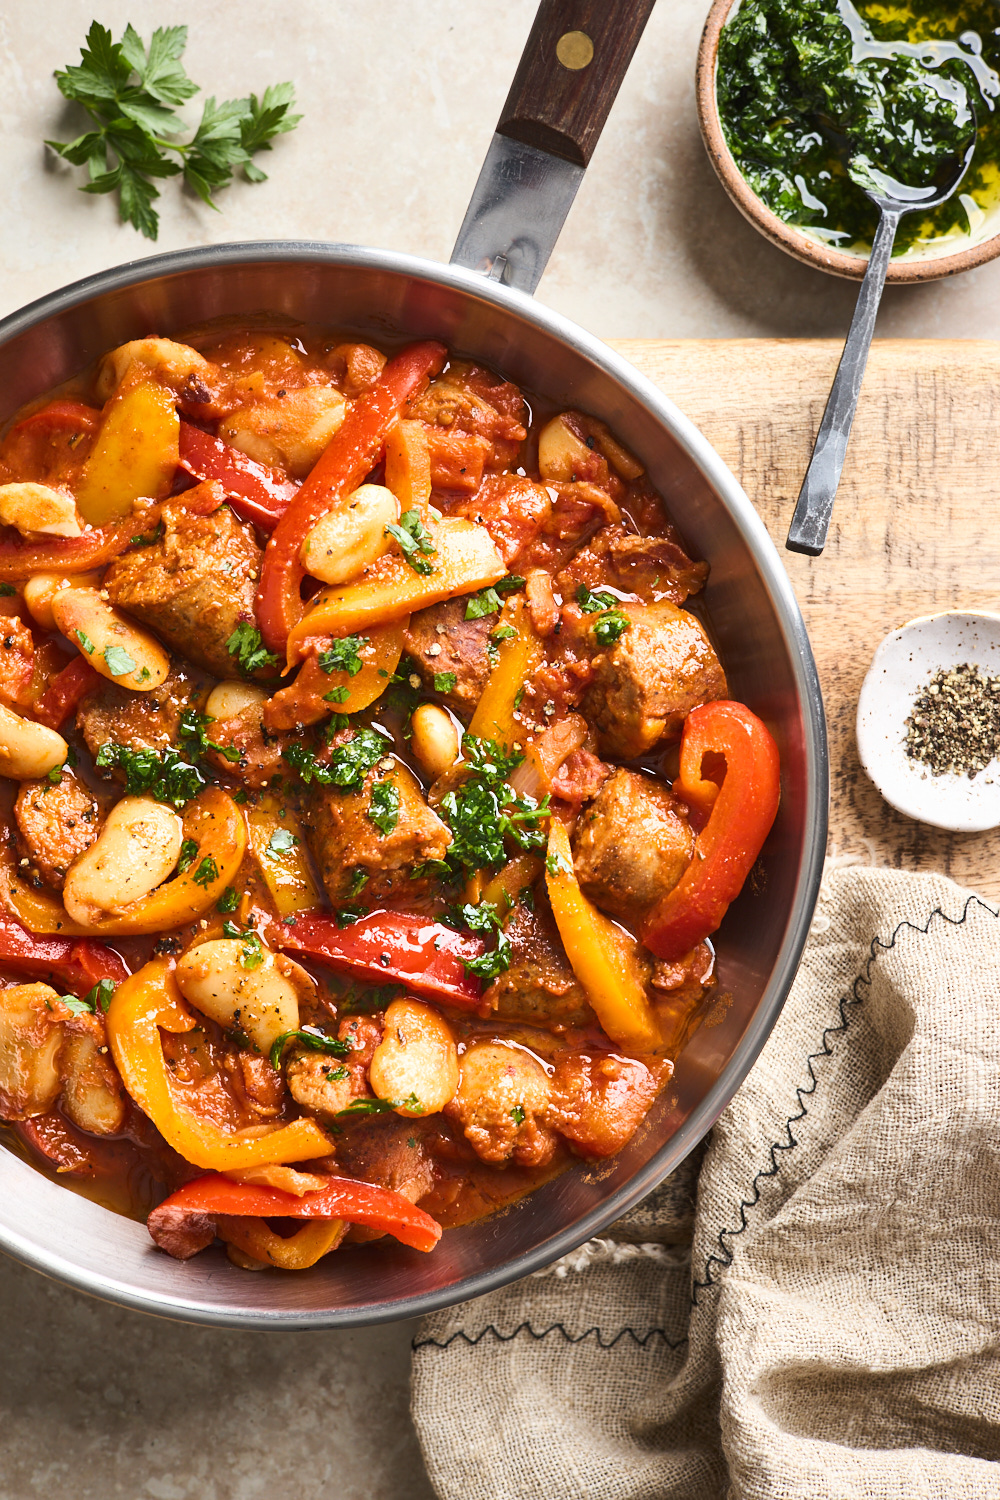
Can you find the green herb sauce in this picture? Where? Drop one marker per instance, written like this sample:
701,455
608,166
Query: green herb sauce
804,85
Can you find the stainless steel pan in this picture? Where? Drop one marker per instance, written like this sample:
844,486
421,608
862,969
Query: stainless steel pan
523,193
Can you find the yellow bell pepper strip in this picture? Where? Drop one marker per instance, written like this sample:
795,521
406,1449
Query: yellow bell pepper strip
298,1252
517,657
316,693
216,826
136,453
282,854
145,1002
740,813
603,956
408,466
464,560
203,1201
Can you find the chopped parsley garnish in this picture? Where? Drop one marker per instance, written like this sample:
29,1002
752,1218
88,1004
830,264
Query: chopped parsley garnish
207,872
503,633
119,663
229,900
164,775
147,541
484,810
311,1037
381,1106
517,1114
486,602
485,918
189,850
192,731
252,953
358,882
346,916
415,541
281,841
383,808
246,645
337,695
100,997
612,622
87,643
344,655
347,766
129,91
444,681
557,865
7,591
336,1075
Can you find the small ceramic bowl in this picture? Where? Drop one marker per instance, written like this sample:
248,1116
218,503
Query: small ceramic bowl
925,262
901,668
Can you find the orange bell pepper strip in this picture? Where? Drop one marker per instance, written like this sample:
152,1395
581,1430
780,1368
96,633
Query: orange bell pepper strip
202,1201
145,1002
135,454
464,560
212,821
604,957
740,813
517,658
408,466
316,694
350,455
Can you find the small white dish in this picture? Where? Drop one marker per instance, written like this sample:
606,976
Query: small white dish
901,668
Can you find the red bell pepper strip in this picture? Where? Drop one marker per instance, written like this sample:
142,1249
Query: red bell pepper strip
392,947
255,492
185,1222
60,416
63,554
740,813
65,691
78,963
349,456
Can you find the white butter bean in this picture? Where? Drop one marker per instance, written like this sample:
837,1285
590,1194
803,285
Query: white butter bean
263,1001
136,850
416,1058
41,589
290,430
38,507
346,541
27,749
174,364
114,646
435,739
228,699
561,454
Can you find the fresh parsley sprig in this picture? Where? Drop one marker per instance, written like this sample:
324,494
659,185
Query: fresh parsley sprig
164,775
485,918
414,539
246,645
484,810
611,623
131,93
311,1037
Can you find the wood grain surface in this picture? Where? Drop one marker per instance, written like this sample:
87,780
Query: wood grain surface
915,529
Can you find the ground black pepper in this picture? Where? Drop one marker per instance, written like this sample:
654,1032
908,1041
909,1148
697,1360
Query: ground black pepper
954,726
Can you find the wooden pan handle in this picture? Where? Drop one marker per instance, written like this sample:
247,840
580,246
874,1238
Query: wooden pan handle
571,69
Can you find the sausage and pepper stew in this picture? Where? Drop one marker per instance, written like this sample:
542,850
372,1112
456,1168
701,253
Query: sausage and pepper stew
369,794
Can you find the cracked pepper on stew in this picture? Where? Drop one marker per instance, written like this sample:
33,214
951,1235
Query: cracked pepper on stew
369,794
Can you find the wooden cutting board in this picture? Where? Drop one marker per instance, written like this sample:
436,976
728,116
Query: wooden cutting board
916,526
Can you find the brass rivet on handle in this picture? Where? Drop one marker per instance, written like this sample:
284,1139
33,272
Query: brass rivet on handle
575,50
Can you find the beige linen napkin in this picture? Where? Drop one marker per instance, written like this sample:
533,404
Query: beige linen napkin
844,1334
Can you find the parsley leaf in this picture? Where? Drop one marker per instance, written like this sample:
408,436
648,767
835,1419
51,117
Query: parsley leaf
337,695
347,766
485,918
381,1106
343,655
165,775
281,841
503,633
311,1037
207,872
444,681
87,643
130,92
100,996
246,645
486,602
7,591
358,882
189,849
229,900
484,811
383,808
76,1006
414,539
119,663
591,602
612,622
556,864
192,731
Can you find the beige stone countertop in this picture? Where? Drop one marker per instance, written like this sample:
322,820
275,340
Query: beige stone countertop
399,101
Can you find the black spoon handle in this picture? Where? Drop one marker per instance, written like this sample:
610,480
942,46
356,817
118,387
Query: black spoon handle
814,506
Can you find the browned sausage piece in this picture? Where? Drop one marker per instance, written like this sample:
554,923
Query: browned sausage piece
650,566
598,1103
650,679
632,844
441,640
344,840
194,585
56,823
140,721
540,985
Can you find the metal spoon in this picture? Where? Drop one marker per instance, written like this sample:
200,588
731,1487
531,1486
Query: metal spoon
814,506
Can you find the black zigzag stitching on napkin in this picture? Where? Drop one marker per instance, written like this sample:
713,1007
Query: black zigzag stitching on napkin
725,1258
642,1339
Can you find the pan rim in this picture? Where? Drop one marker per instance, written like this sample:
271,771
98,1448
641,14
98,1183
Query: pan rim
792,627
